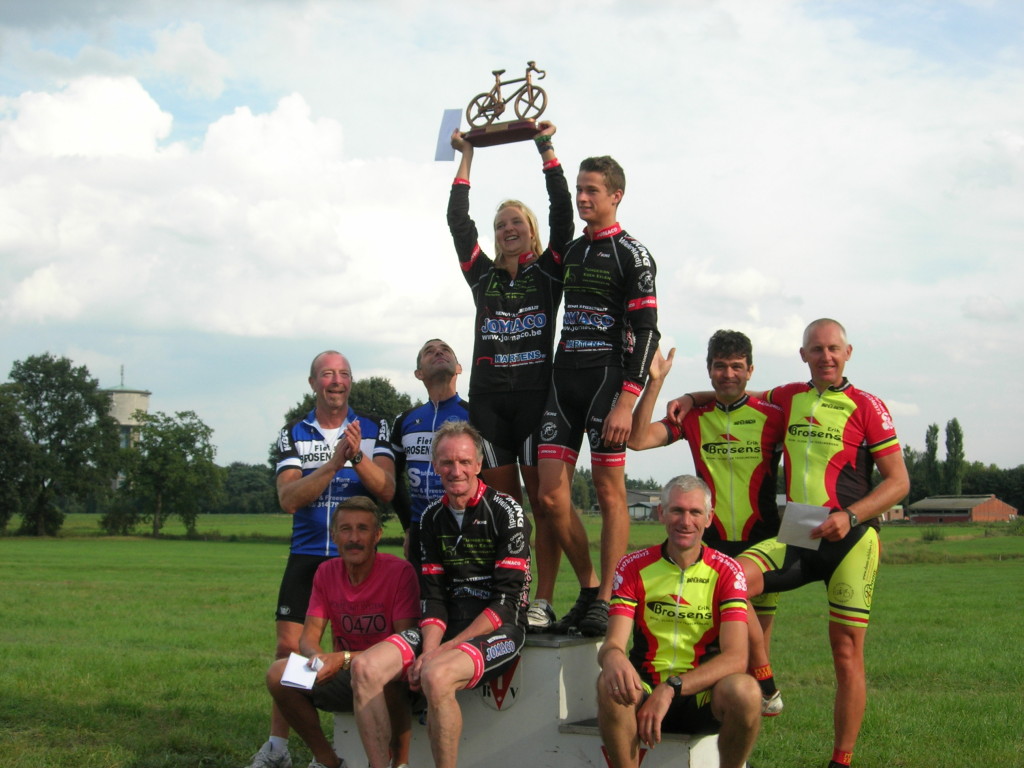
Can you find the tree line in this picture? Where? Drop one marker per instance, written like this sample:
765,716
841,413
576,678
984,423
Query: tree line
955,476
61,451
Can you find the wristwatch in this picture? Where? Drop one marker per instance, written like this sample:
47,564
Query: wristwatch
347,662
853,518
357,458
676,684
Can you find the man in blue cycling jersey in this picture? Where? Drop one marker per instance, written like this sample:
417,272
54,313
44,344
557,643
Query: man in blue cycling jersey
330,454
412,437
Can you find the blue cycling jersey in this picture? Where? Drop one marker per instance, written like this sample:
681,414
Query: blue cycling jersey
303,446
412,439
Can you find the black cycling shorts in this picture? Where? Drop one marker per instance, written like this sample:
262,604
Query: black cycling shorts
509,422
578,403
296,587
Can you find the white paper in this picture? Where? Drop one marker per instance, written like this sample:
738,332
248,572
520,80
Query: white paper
298,673
452,119
797,523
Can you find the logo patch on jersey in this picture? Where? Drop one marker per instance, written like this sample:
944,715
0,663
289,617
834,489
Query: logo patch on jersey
547,432
729,438
516,543
666,610
646,282
595,438
812,421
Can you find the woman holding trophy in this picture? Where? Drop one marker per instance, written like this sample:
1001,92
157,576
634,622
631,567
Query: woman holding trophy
516,294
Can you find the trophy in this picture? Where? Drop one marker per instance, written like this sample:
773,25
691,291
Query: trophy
528,102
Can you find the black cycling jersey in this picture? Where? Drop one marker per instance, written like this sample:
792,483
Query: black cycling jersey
611,306
481,566
515,318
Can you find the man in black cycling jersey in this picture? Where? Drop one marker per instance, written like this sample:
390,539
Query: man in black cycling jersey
474,586
609,335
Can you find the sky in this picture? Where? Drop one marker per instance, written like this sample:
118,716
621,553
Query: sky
209,193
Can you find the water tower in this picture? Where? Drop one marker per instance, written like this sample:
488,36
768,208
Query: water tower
124,402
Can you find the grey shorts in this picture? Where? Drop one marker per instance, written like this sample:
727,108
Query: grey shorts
334,695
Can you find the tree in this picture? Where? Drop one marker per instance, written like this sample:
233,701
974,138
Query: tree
932,470
14,462
377,398
71,438
249,489
915,471
583,492
171,469
953,467
650,484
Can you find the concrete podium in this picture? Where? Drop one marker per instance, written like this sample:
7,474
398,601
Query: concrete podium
542,715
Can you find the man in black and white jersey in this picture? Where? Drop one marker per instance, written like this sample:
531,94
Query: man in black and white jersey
474,585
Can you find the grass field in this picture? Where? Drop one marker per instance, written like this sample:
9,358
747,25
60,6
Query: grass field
135,653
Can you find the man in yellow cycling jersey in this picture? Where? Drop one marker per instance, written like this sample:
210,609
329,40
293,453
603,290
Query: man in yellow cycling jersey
735,441
836,435
685,606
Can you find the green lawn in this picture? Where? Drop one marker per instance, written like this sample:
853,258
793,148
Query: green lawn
135,653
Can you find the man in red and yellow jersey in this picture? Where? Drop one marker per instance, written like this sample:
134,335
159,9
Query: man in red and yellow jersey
835,435
735,441
685,606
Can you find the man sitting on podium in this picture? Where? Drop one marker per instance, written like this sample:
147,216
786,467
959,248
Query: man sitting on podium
685,605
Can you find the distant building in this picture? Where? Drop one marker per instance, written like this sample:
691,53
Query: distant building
124,402
961,509
643,505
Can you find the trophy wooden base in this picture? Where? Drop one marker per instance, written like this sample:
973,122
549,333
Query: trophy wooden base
502,133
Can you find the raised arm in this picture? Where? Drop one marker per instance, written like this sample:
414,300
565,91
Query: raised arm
561,212
646,433
459,144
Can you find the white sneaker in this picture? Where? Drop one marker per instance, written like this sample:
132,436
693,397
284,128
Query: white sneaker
771,705
269,757
540,616
315,764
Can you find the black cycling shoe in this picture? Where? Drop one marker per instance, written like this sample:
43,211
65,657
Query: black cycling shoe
569,624
595,622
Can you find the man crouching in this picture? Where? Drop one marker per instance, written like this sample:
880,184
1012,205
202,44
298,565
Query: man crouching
683,602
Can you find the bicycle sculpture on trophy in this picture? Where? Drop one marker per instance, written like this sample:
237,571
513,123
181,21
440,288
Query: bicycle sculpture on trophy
528,102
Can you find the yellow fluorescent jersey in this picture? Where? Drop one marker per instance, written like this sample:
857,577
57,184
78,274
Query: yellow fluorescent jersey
676,613
736,451
831,441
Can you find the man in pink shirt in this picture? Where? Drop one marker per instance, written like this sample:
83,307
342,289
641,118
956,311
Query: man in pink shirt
366,596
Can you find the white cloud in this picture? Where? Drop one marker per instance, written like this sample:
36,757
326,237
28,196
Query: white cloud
182,51
91,117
